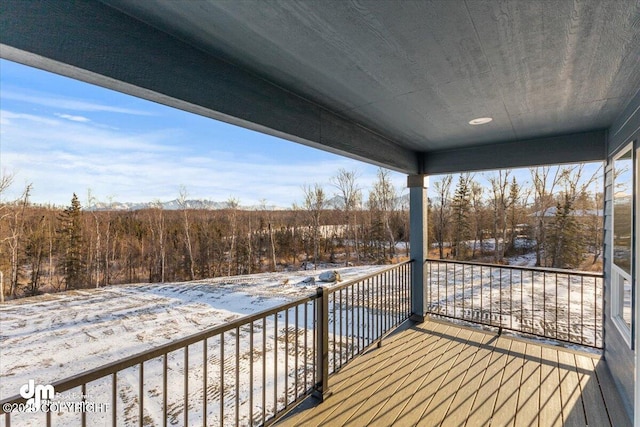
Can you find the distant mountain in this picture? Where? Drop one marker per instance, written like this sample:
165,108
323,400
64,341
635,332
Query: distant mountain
173,205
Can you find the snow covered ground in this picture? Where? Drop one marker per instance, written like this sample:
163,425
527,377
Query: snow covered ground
52,337
562,305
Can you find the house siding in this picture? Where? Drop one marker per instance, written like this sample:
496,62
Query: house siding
619,356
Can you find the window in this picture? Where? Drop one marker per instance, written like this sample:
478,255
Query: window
622,241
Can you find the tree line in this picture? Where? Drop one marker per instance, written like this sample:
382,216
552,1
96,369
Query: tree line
554,214
50,249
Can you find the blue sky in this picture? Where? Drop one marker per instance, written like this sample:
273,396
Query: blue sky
65,136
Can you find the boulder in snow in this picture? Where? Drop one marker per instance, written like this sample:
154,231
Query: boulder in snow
330,276
308,281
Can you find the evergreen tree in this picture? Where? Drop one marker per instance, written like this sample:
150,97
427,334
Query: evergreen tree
72,260
565,237
461,206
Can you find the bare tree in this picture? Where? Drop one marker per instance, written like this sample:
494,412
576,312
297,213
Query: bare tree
441,211
382,200
92,201
500,202
182,202
263,207
477,208
350,197
314,203
158,231
5,182
16,229
232,205
545,179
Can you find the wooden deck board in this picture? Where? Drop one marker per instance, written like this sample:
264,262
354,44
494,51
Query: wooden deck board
436,373
529,390
550,398
612,401
594,406
572,406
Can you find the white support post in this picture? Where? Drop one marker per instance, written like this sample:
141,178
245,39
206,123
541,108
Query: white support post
418,241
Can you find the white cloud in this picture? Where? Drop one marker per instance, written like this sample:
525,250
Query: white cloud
56,101
61,156
73,118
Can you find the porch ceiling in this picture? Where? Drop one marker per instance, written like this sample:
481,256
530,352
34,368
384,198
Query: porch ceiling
392,83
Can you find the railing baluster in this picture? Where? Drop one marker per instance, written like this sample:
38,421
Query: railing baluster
306,348
569,308
295,394
463,294
521,299
511,299
555,296
222,378
490,294
164,389
275,364
286,358
595,312
335,320
353,323
544,302
446,289
378,309
140,397
454,290
204,380
186,385
369,311
582,310
472,293
237,375
114,396
385,302
250,374
264,369
481,295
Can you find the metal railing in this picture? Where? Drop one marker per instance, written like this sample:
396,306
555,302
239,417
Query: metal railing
559,304
249,371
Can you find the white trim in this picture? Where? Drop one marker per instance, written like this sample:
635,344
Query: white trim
618,275
636,405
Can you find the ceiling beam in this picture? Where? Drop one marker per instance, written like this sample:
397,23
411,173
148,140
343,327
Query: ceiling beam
572,148
95,43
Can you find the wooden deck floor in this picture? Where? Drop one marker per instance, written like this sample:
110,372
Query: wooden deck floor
439,374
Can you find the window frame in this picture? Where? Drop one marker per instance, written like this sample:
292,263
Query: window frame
618,274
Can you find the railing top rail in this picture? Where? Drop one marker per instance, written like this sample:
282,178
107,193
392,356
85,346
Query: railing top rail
127,362
368,276
515,267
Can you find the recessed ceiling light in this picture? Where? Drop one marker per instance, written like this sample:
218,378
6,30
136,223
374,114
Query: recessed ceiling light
480,121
